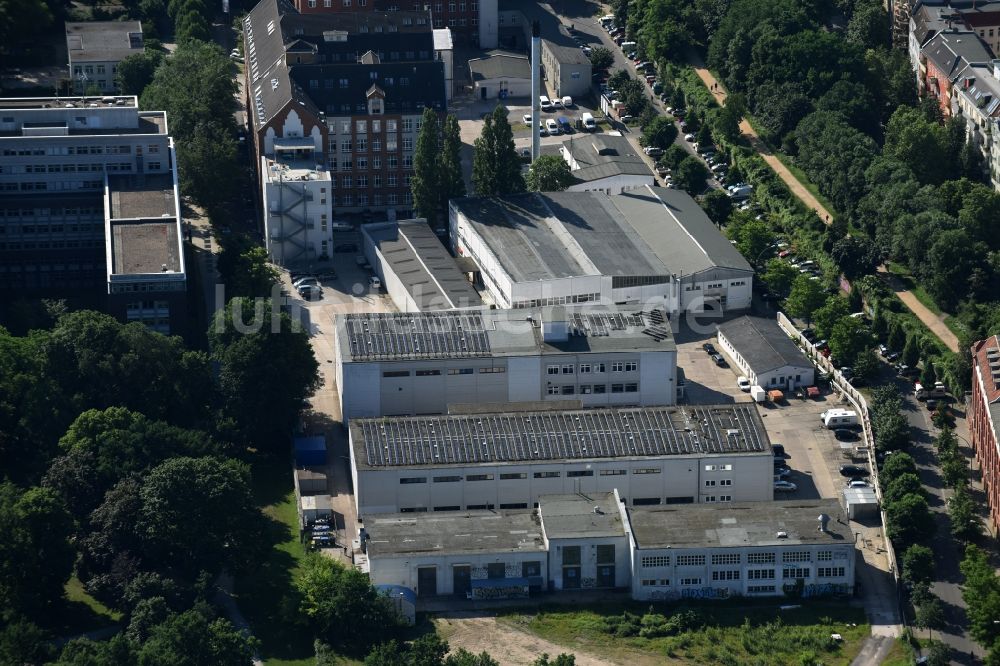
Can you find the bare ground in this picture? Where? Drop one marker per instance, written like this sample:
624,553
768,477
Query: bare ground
512,647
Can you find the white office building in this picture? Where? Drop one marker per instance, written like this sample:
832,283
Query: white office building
424,362
653,247
508,459
593,541
765,354
297,208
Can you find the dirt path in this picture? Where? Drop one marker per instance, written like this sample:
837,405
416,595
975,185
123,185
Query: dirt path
933,322
509,646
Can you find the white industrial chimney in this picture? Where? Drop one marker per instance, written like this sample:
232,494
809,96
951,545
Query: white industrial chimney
536,92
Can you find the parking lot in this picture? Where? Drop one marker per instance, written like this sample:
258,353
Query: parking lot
812,452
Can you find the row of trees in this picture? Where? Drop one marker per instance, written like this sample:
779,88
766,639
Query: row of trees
437,166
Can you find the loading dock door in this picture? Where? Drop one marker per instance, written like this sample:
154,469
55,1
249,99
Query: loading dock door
427,581
462,579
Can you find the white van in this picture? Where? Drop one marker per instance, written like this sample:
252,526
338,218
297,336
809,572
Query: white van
607,18
629,46
839,418
589,124
545,103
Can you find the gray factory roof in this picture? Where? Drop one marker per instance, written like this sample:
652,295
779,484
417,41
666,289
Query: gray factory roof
415,255
763,344
566,54
103,41
500,65
148,197
547,436
598,156
739,524
644,232
580,516
374,336
453,532
145,247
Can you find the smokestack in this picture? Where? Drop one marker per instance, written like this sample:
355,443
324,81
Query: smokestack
536,92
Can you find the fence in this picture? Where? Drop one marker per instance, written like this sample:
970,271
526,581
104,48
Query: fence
861,406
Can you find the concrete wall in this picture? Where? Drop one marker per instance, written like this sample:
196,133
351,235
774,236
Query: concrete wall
514,87
588,568
669,479
403,569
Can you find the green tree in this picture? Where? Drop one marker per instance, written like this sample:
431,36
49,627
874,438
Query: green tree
930,614
928,375
36,557
900,486
562,660
897,465
826,317
549,173
341,605
660,133
194,638
981,593
909,521
85,652
855,256
136,71
632,94
22,20
690,175
911,351
601,58
251,274
673,156
426,181
496,167
848,338
938,653
206,159
897,336
918,565
866,365
954,470
965,522
266,370
191,26
704,137
449,164
892,432
779,276
463,657
805,297
869,26
617,80
717,205
754,239
23,642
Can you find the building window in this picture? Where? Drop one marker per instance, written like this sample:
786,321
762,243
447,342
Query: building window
656,561
396,373
460,371
796,556
709,483
570,555
513,475
480,507
407,143
795,573
617,388
567,369
515,505
760,574
690,560
824,555
690,581
725,482
732,574
646,501
495,370
830,572
569,389
412,479
631,366
579,472
427,373
600,388
760,558
478,477
552,370
613,472
584,368
646,470
617,366
447,479
443,508
546,475
726,558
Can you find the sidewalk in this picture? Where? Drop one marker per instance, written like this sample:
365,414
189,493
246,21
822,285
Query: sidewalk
932,321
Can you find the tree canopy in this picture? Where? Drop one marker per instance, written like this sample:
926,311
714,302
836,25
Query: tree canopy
496,167
549,173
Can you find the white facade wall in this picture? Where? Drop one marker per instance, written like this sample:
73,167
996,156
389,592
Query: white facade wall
429,386
657,574
639,481
588,574
515,87
296,215
404,569
788,376
736,290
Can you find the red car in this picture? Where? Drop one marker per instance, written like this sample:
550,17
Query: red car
784,253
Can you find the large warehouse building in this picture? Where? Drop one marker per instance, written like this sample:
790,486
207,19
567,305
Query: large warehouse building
592,540
507,460
423,362
651,246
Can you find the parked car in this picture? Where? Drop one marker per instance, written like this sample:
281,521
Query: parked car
375,282
743,383
653,151
853,470
567,102
857,483
846,435
306,279
552,127
809,334
688,137
709,348
526,118
780,472
720,361
785,487
310,292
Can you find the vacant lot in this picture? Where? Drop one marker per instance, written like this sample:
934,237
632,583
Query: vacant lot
737,634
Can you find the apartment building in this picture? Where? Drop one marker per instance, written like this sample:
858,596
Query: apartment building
96,47
89,202
945,60
335,104
593,541
977,99
424,362
650,247
507,459
984,420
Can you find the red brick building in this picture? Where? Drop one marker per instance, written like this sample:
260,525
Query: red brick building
943,61
984,418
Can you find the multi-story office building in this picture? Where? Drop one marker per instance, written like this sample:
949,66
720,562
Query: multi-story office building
89,201
506,460
650,247
422,362
96,47
593,541
337,99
